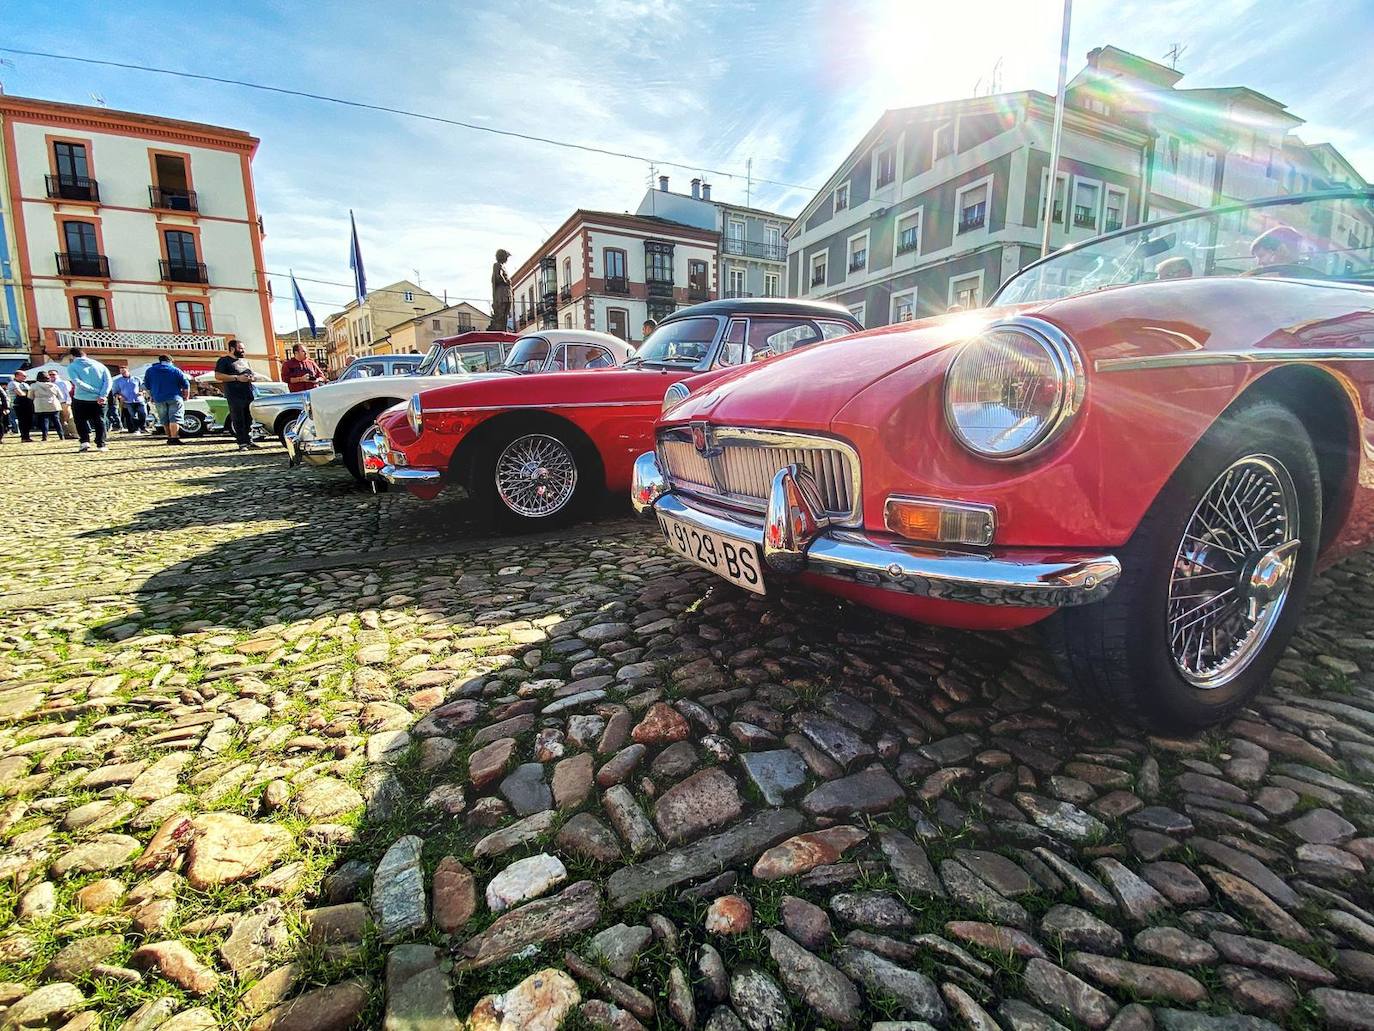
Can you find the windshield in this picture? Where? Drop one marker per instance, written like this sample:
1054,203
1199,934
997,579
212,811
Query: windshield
528,355
1323,238
427,363
681,342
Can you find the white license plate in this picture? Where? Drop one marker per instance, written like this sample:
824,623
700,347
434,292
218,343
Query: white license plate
728,557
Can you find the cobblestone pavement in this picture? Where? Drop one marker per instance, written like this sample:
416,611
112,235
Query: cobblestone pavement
533,783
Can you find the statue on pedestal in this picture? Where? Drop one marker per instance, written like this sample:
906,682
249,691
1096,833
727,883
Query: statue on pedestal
500,292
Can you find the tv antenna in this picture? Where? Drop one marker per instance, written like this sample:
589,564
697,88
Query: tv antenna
1174,53
99,98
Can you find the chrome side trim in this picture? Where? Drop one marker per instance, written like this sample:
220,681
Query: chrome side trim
547,407
1262,357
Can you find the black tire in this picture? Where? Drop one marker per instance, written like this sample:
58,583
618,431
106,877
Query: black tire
1117,652
283,423
348,441
192,425
501,512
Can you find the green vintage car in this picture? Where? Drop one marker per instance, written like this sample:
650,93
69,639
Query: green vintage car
210,413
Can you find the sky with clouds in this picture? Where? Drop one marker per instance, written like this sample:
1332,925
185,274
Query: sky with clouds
709,84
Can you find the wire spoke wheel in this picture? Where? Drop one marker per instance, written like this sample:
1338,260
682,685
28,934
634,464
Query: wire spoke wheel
1233,571
536,475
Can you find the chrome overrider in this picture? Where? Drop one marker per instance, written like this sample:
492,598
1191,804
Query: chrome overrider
372,453
796,536
302,444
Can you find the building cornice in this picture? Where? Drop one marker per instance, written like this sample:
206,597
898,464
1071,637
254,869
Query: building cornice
99,119
582,217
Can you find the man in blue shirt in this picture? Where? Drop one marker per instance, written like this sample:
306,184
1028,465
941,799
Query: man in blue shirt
129,391
169,388
91,386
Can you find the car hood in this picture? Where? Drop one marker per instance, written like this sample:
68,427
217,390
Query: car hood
807,387
337,397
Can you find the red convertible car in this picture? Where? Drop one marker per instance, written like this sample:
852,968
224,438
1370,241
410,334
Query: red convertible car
531,449
1155,437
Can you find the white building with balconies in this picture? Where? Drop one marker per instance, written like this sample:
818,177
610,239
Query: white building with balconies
134,235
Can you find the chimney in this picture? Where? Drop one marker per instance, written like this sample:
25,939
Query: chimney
663,183
705,191
696,189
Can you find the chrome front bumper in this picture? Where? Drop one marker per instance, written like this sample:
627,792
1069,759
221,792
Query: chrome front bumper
796,536
303,445
403,474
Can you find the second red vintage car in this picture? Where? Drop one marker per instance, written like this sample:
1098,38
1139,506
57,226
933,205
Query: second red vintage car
1156,436
531,449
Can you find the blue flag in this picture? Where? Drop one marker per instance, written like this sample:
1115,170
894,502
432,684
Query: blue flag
301,306
355,262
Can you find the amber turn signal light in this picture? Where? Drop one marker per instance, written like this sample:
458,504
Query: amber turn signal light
940,522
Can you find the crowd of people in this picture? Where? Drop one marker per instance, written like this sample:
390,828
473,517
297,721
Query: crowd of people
88,403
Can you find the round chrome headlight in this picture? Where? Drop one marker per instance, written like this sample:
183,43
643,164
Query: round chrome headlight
413,414
674,396
1013,388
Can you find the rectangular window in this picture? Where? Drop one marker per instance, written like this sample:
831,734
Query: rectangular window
772,236
658,262
973,207
904,306
737,283
818,269
842,197
618,323
942,143
172,190
567,273
909,233
1061,185
966,292
734,229
1085,197
434,323
698,279
181,250
91,313
1114,215
408,296
190,317
884,167
858,252
771,286
72,165
857,310
80,240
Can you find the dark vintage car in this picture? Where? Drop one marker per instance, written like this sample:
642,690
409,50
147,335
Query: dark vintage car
533,448
1155,437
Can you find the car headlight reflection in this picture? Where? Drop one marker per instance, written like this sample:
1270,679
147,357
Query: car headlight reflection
674,396
1013,388
414,416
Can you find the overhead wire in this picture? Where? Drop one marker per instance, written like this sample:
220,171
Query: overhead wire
403,112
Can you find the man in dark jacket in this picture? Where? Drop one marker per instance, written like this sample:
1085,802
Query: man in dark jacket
235,377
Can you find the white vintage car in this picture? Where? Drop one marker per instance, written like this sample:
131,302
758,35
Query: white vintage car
338,416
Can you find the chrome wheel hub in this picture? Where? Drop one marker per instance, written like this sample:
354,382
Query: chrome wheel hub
536,475
1233,571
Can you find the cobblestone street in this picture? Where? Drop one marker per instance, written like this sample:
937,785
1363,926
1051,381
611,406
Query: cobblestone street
277,753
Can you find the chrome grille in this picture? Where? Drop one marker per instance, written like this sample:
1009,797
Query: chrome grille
739,465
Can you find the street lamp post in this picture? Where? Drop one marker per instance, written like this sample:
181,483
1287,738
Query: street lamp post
1058,131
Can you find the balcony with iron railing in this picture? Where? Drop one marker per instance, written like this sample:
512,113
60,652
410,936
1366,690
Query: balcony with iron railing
136,340
73,187
858,261
1111,225
1059,213
906,244
973,217
738,293
88,266
1084,218
659,284
183,271
698,292
617,285
565,294
172,200
754,249
818,277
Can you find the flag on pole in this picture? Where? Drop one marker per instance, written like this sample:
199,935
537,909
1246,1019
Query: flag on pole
355,262
301,306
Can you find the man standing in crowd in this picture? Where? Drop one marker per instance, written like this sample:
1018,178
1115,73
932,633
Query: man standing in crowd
235,377
64,398
649,326
300,370
47,403
169,388
91,386
129,390
22,398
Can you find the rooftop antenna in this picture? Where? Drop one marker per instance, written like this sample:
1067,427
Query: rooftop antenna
5,63
1174,53
99,98
748,181
996,85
